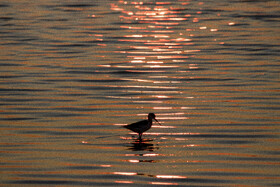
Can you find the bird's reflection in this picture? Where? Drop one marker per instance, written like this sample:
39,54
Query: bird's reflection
142,145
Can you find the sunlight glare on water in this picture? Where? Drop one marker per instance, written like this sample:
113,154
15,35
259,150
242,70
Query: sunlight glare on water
72,73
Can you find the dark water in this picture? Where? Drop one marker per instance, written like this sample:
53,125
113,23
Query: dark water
72,72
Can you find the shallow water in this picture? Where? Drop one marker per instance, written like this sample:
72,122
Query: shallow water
73,72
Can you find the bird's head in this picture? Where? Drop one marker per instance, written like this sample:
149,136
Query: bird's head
153,116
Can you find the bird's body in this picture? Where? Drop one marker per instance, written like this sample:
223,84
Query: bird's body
142,126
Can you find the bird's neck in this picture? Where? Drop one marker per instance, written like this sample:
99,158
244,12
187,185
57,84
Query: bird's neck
150,120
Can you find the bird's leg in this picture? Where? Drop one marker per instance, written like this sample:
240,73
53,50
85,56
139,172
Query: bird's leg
140,136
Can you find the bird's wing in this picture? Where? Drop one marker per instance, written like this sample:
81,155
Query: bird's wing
137,125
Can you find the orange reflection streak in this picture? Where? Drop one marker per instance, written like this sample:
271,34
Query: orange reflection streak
174,118
160,31
154,102
159,66
164,127
135,36
162,108
151,154
163,183
134,161
235,154
236,162
124,182
169,133
125,173
154,62
161,96
106,166
171,176
133,28
147,154
119,124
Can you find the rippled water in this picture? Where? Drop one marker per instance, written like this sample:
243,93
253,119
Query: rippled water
73,72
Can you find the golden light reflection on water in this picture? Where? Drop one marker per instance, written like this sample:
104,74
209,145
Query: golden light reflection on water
212,89
151,176
151,44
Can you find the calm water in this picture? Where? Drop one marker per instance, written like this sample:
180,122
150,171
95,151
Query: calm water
73,72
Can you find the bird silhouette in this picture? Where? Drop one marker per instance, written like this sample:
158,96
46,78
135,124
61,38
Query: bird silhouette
142,126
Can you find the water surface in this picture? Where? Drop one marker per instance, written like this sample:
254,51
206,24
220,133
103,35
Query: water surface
73,72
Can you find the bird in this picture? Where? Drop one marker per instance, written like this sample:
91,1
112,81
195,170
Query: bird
142,126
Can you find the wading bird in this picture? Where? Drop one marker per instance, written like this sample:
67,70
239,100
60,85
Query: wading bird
142,126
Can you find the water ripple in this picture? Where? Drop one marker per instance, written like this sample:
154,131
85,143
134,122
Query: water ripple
73,73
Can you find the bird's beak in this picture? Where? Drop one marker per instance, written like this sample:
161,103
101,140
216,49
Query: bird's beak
157,121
